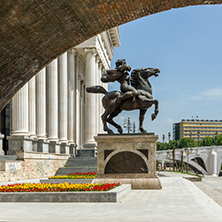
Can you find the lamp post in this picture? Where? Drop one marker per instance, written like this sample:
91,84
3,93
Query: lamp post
163,138
190,139
181,169
134,127
204,142
177,145
188,151
173,158
169,154
216,133
198,135
169,135
128,124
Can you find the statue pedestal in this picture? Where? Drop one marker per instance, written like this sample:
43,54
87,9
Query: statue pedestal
127,159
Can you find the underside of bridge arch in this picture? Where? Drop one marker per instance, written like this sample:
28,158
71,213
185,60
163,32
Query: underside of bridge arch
33,33
196,167
193,168
200,162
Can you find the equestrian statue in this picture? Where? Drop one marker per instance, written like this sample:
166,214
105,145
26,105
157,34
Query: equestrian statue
138,95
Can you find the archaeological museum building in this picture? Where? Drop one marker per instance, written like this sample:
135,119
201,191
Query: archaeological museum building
52,113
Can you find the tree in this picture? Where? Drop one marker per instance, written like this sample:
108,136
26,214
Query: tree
219,140
208,141
187,142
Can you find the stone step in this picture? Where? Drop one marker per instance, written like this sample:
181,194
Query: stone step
81,161
81,164
86,153
68,170
7,157
83,158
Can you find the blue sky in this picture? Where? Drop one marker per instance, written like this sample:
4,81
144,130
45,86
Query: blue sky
186,45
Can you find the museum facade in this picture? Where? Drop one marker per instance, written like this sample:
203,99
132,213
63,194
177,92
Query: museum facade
52,113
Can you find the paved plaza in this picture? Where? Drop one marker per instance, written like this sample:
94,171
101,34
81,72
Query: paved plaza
179,200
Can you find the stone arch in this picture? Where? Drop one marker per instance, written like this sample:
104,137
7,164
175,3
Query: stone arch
36,32
125,162
194,166
200,162
117,151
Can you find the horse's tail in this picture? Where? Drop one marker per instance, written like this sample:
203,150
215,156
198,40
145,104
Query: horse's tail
96,89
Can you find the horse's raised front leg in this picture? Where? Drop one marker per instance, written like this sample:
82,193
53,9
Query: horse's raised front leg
115,113
107,112
156,110
147,103
141,118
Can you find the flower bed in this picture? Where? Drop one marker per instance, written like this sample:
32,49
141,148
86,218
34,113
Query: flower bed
50,187
89,175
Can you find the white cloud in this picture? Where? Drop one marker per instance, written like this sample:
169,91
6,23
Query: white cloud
210,94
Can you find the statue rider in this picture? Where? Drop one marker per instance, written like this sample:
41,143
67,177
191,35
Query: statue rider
120,74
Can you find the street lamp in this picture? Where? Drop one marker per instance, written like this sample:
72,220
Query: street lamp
198,135
204,142
169,135
181,169
188,151
184,143
128,124
173,158
177,145
163,140
134,127
216,133
169,154
190,138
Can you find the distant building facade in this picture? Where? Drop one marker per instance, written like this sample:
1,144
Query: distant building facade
196,129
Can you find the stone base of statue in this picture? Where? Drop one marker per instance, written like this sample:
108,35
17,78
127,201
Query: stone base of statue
127,159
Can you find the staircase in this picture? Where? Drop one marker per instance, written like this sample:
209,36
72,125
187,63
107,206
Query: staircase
8,157
84,162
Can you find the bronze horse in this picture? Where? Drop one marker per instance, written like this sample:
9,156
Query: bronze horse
143,101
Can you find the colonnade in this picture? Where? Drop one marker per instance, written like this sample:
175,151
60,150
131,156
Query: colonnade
52,113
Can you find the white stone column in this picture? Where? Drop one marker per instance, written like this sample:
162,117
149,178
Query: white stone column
78,113
63,97
19,138
77,109
32,107
20,115
101,96
213,162
71,96
41,104
90,115
1,144
52,100
97,96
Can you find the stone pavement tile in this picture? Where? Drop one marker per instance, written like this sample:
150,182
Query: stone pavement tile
210,191
179,201
173,174
214,182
